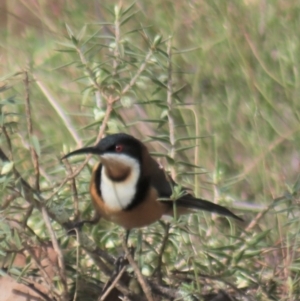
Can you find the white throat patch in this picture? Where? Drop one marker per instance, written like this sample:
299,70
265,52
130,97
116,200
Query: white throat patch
118,195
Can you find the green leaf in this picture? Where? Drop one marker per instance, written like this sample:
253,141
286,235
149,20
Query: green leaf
187,50
7,167
157,40
137,29
157,154
192,173
192,138
63,66
65,50
9,75
163,138
162,52
184,148
74,40
151,120
68,45
81,33
159,83
69,30
179,90
124,21
257,238
128,8
91,37
187,164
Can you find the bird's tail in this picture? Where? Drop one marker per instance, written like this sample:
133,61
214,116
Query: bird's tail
188,201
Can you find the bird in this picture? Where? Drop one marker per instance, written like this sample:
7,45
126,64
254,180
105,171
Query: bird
129,188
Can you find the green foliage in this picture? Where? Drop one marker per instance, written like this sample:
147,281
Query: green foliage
211,87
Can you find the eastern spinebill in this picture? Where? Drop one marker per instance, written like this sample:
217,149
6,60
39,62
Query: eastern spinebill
129,188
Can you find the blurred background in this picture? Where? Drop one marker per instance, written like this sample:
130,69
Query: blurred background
235,89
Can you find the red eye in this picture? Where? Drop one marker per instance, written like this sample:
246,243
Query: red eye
119,148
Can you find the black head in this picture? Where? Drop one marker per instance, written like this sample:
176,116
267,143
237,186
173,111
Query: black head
117,143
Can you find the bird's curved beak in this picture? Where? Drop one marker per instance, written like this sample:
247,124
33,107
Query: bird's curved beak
84,150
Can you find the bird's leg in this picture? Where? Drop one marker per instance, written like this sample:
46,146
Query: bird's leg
127,233
121,260
120,264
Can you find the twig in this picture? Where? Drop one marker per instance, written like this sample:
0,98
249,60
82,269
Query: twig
170,108
58,251
34,156
161,252
27,214
166,292
106,256
117,41
261,214
58,110
37,291
41,170
74,191
77,265
109,108
145,286
8,199
112,286
98,261
260,61
46,277
8,142
69,177
138,73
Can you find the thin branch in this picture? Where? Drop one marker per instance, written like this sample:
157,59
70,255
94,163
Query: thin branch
145,286
46,277
99,262
27,146
170,108
58,251
74,191
161,252
27,214
34,156
37,291
103,126
166,292
261,214
58,110
77,265
135,78
117,41
106,256
114,283
8,199
260,61
8,142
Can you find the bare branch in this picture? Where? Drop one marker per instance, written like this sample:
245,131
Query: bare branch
145,286
58,251
114,283
74,191
170,108
34,156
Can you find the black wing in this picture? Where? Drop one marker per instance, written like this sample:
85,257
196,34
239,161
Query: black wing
162,184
